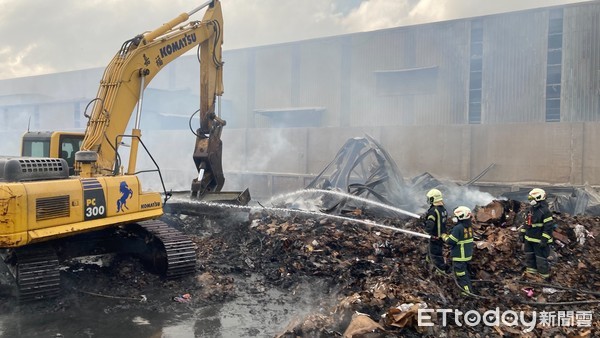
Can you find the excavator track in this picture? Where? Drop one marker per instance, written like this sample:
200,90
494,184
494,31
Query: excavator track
36,272
173,253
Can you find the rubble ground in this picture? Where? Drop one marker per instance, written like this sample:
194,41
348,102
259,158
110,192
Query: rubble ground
362,280
366,269
373,270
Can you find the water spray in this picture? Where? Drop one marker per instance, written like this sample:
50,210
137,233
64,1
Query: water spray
350,196
307,212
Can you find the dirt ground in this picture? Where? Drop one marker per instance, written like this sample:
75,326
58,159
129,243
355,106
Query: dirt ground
354,279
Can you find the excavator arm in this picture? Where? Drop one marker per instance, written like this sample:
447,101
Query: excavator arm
47,214
128,74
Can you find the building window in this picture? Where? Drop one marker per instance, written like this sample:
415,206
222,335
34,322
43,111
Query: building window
475,71
554,65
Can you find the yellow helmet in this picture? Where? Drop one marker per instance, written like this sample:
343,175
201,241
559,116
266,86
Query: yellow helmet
462,212
537,195
434,196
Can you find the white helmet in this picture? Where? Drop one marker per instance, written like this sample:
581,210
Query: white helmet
461,213
434,196
536,195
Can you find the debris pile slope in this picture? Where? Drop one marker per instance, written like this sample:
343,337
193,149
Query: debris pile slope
374,271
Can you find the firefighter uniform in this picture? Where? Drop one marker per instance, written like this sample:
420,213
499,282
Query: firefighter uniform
435,226
460,241
537,235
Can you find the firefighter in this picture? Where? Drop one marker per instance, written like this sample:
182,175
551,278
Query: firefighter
435,226
536,234
460,241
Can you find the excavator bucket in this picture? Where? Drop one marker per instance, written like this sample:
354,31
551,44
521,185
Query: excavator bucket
227,197
185,204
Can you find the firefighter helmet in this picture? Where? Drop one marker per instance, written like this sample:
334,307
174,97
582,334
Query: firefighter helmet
434,196
537,195
462,212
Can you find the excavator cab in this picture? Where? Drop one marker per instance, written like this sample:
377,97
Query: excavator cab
54,144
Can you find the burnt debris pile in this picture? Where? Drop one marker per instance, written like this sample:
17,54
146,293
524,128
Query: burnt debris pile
376,279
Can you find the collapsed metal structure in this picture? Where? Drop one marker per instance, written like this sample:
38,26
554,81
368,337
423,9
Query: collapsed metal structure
363,168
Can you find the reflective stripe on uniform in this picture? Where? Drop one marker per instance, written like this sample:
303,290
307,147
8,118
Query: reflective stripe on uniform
537,225
439,222
545,235
462,259
534,240
547,219
462,250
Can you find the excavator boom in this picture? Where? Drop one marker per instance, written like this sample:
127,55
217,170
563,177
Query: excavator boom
132,69
122,86
53,202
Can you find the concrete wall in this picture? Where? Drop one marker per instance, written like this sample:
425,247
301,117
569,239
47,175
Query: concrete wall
272,161
279,160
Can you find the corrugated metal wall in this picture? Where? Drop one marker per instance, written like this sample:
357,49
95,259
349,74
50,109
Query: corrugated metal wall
340,73
239,83
581,63
388,50
319,78
444,44
514,67
436,46
347,75
273,80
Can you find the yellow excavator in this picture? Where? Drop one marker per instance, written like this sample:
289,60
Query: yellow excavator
69,195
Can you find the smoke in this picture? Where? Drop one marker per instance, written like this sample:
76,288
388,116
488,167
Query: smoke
466,196
454,194
274,151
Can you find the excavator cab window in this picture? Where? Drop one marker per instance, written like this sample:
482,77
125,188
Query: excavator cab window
36,148
43,144
69,145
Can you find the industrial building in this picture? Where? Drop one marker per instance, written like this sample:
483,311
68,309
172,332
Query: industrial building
518,93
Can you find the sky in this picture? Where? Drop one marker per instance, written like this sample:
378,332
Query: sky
41,36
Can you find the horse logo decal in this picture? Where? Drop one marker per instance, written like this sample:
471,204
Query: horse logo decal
126,193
